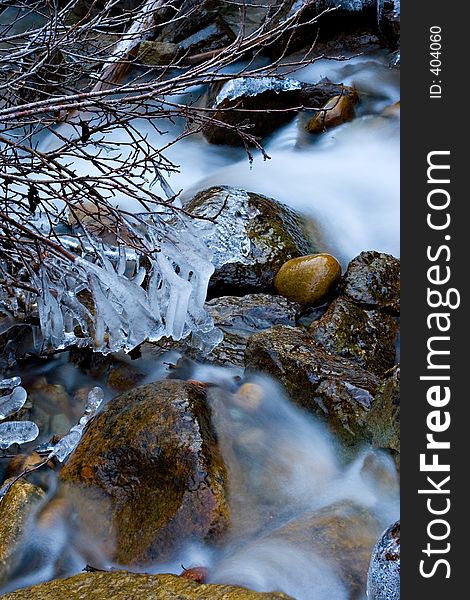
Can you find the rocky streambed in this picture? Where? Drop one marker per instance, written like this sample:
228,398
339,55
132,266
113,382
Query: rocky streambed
268,465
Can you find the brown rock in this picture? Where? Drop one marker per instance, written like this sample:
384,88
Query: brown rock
262,104
308,279
372,279
153,454
384,418
336,111
121,585
335,388
16,507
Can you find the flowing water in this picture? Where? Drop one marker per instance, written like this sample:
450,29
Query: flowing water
285,468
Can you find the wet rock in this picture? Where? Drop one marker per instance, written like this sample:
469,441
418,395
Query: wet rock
16,508
153,53
308,279
384,417
335,388
241,317
153,454
342,535
383,580
334,112
259,105
372,279
121,585
214,24
316,95
389,20
367,337
272,234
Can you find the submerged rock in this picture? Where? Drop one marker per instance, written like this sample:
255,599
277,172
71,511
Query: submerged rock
263,232
372,279
384,417
367,337
334,112
342,535
16,508
121,585
259,105
335,388
308,279
383,580
153,454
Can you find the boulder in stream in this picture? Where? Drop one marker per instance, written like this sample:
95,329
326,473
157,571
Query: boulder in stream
153,455
372,280
122,585
258,105
336,111
261,232
335,388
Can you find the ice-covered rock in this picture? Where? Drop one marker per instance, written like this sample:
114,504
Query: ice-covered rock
383,580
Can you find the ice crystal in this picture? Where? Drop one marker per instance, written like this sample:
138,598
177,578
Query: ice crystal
252,86
14,432
69,442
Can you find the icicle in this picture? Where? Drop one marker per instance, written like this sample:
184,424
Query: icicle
69,442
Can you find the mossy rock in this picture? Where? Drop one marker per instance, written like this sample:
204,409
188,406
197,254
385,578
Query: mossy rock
372,279
308,279
121,585
153,456
16,508
275,234
367,337
336,389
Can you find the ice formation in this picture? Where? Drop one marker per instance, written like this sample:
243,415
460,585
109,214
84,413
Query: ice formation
14,432
69,442
252,86
110,298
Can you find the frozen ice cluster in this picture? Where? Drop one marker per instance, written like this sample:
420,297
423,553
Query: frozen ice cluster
112,297
14,432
